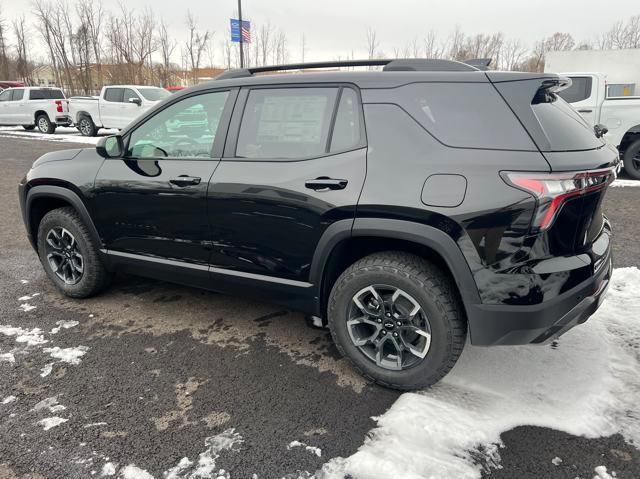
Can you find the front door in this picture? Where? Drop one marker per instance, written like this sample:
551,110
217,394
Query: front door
583,96
110,112
129,111
5,99
18,108
151,204
294,164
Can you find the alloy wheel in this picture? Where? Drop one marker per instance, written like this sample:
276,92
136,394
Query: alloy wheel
389,327
63,255
85,127
43,124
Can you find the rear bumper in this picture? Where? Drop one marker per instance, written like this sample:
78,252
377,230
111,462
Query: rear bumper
63,120
540,323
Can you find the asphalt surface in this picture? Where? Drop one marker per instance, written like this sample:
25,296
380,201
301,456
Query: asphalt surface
169,366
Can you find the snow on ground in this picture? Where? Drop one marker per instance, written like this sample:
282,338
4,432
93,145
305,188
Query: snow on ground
588,385
63,324
62,134
67,355
51,422
313,450
32,337
623,183
601,473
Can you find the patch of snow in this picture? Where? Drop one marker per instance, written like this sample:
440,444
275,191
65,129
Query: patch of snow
24,281
64,324
586,386
9,357
601,473
206,465
46,370
9,399
109,469
556,461
26,307
32,337
314,450
134,472
49,403
27,298
51,422
623,183
67,355
62,134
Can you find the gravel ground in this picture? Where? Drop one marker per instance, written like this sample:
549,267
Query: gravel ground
168,366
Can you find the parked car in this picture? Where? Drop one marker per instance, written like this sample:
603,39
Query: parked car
4,84
31,107
116,107
175,88
405,208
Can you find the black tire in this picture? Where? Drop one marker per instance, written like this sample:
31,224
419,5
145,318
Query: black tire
28,127
430,288
94,277
86,127
44,124
632,160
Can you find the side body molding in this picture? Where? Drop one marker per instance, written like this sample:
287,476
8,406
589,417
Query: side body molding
49,191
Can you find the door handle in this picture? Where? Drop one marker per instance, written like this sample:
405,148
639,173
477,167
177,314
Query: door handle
326,183
585,111
185,180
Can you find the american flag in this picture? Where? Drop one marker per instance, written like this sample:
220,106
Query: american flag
246,32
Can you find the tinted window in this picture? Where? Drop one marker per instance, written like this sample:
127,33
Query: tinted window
346,131
579,90
129,93
154,94
36,95
5,95
185,129
565,129
54,94
17,94
286,123
113,94
469,115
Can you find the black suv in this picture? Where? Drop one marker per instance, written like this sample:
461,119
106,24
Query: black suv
402,207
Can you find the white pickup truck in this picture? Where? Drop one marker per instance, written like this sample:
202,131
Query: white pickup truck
116,107
592,96
31,107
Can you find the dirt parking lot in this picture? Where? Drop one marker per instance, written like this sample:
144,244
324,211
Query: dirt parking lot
157,380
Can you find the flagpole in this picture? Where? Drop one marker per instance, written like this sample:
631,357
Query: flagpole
240,20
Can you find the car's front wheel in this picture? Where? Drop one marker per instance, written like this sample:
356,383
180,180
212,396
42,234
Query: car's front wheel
44,124
397,318
632,160
69,255
86,126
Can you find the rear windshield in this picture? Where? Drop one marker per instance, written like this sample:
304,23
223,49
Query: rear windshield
154,94
46,94
563,126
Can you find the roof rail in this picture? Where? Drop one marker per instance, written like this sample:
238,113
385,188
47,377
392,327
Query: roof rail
480,63
405,64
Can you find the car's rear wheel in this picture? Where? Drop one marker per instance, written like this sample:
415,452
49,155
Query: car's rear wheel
398,319
632,160
44,124
28,127
69,255
86,126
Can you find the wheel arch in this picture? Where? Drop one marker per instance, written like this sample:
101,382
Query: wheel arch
631,136
44,198
346,241
37,113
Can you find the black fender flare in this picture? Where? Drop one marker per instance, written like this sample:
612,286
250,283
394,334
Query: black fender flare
422,234
50,191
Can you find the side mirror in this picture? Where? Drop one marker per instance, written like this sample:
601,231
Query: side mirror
137,101
110,146
600,130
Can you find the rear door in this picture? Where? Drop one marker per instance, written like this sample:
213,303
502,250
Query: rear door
583,96
294,164
150,205
17,108
110,113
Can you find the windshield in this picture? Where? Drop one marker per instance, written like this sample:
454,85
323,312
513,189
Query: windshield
154,94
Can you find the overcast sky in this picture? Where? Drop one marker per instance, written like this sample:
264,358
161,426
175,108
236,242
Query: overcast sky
338,27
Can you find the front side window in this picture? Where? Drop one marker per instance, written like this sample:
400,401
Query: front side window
5,95
17,95
128,94
113,94
186,129
286,123
154,94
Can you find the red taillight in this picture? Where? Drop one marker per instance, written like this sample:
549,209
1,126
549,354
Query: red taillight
59,106
551,190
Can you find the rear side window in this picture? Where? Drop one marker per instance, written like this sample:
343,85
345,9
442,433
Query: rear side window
54,94
579,90
36,95
286,123
346,131
113,94
17,95
464,115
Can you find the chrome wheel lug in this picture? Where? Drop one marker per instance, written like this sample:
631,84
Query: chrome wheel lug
379,320
398,323
384,333
395,335
388,315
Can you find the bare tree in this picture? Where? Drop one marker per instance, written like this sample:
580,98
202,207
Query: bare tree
4,53
167,46
431,47
559,42
195,45
23,67
91,16
266,32
622,35
511,55
372,43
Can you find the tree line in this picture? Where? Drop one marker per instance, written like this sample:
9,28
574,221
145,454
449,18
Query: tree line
88,45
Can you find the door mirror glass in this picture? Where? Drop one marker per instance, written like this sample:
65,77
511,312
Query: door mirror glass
110,146
137,101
